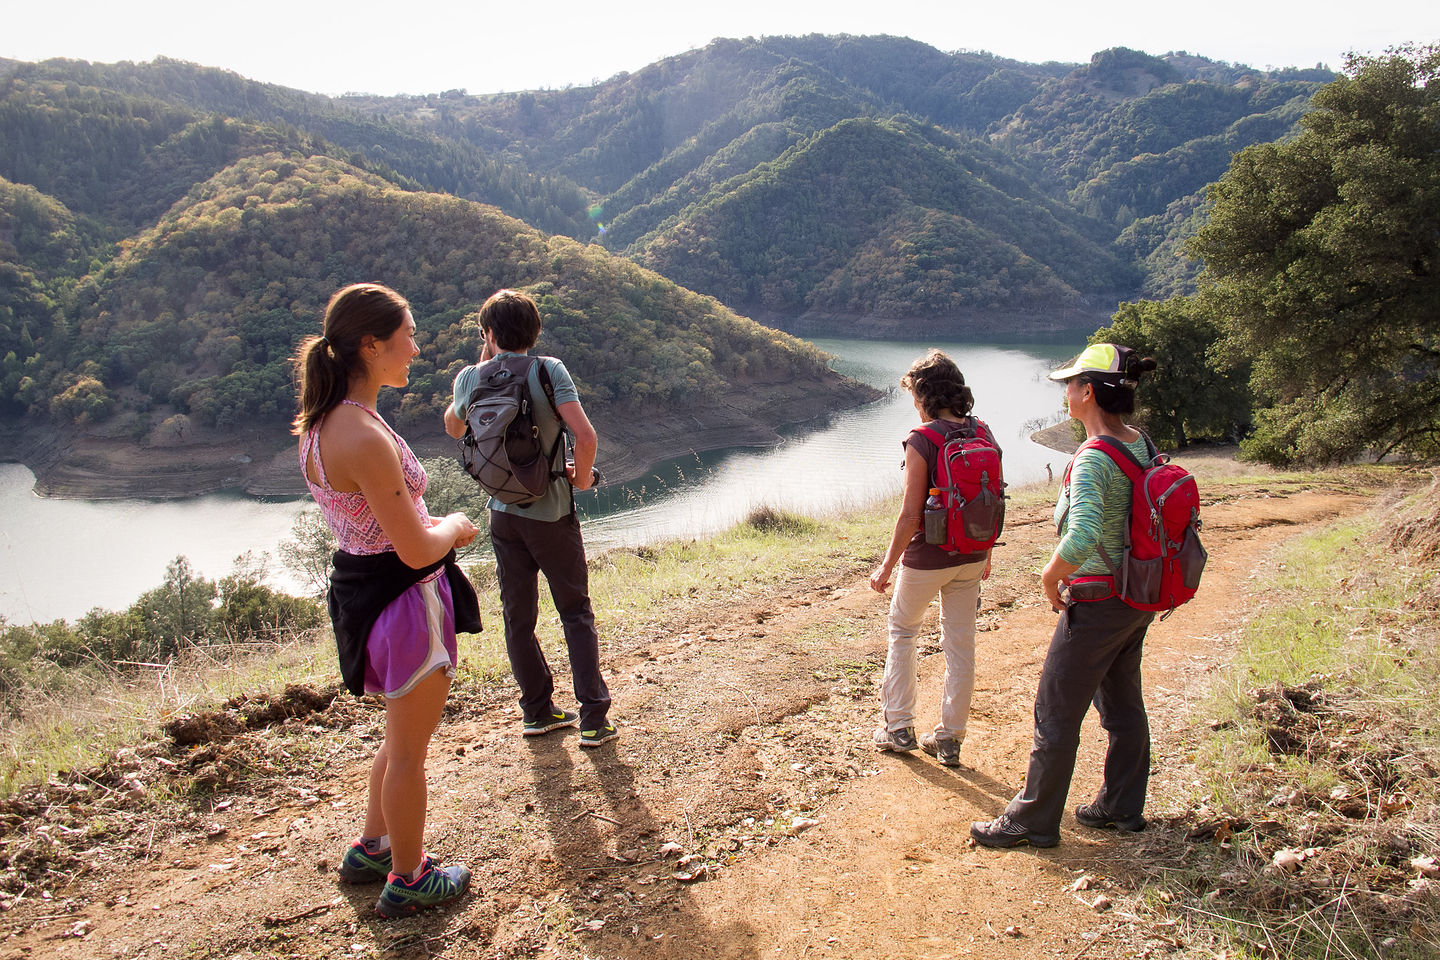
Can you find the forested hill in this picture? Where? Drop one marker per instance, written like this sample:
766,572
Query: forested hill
958,235
168,230
702,155
160,264
122,141
181,317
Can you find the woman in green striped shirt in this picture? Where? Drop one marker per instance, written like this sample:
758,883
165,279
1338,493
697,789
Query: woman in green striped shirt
1095,650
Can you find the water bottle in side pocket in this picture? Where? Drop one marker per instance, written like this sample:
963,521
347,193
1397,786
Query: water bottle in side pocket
936,518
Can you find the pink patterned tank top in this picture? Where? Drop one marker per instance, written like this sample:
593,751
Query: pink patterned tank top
346,512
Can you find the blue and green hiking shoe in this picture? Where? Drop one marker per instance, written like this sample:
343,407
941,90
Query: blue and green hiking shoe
435,886
549,721
601,734
361,866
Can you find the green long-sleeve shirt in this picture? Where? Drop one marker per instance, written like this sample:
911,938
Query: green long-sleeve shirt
1095,509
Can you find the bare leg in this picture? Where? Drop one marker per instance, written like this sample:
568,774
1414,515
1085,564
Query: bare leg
374,812
400,770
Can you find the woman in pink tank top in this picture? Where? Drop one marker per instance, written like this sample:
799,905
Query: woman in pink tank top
370,490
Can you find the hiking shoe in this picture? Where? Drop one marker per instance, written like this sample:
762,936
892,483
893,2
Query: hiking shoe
1004,832
361,866
897,741
436,885
1092,816
602,734
549,721
944,749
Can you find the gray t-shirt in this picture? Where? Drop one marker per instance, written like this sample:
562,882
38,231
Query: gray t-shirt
557,501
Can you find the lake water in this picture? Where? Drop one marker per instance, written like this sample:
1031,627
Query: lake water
849,460
60,558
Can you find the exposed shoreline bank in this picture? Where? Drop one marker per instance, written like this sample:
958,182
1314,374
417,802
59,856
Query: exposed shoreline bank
103,464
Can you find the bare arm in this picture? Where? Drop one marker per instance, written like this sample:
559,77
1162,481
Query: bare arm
586,443
917,488
454,426
368,460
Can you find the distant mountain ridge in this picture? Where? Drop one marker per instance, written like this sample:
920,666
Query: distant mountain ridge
163,263
168,231
1128,137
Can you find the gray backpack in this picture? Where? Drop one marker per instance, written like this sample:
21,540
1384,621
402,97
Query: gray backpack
501,447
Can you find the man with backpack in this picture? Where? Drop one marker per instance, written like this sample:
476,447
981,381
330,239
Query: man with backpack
1095,651
537,531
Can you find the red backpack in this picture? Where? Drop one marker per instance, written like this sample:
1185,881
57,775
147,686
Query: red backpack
971,489
1162,559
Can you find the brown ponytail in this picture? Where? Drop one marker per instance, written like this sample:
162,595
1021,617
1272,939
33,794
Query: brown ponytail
326,364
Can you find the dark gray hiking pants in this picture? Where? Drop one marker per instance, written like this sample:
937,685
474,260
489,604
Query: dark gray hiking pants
525,548
1094,657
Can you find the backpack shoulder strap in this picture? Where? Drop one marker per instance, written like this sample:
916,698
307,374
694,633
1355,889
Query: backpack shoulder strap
1151,450
548,386
930,435
982,429
939,442
1116,450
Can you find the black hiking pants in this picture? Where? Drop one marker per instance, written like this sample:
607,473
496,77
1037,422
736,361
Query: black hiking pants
525,548
1094,657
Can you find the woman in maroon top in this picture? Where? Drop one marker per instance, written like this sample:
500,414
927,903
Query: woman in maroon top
943,402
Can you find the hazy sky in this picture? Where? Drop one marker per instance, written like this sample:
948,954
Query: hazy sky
425,46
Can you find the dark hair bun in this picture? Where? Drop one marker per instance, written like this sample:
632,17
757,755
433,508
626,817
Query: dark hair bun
1134,366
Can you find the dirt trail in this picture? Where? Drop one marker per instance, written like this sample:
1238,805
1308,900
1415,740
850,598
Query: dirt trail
745,743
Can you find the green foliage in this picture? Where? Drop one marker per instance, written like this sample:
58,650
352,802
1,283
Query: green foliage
204,310
768,519
125,140
306,552
1323,259
185,610
1116,68
84,401
1159,243
1196,391
450,489
1123,110
248,608
169,231
924,244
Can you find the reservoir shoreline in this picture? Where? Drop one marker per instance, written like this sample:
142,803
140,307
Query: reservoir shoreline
99,465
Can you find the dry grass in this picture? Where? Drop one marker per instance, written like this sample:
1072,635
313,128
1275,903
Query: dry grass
1312,823
83,718
1417,524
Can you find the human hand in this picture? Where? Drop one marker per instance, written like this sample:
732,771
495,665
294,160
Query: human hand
576,482
466,530
880,579
1052,590
1054,578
